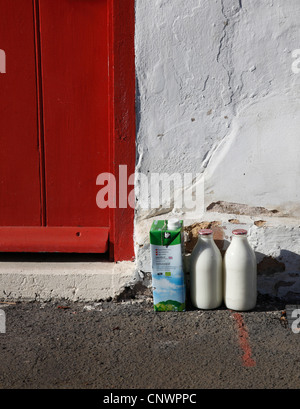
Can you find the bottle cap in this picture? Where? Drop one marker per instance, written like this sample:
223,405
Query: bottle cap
174,224
205,232
239,232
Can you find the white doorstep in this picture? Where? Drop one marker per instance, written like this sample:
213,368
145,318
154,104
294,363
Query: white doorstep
71,280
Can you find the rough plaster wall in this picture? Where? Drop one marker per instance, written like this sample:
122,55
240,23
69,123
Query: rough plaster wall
217,97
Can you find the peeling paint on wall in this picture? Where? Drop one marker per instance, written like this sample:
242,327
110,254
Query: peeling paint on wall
269,265
237,208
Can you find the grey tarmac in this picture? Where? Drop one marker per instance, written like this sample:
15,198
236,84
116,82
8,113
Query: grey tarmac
126,345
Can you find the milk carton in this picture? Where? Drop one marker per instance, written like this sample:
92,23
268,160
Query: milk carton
168,280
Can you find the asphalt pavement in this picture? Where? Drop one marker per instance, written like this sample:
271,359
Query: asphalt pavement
126,345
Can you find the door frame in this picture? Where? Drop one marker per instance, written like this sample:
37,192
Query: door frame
122,120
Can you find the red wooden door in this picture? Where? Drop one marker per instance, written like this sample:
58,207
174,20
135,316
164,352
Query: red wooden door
54,124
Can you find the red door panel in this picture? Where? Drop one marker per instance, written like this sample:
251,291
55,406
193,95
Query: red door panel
74,56
20,194
54,134
54,239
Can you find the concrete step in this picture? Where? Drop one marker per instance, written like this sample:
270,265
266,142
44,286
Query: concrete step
72,277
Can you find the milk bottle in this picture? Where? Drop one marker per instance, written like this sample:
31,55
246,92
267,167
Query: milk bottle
240,273
206,272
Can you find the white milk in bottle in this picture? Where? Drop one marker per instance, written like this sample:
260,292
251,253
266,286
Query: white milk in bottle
206,272
240,273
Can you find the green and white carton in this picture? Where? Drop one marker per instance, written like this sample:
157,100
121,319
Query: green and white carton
168,278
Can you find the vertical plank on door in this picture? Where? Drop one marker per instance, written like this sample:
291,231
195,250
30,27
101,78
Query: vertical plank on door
122,73
74,55
20,203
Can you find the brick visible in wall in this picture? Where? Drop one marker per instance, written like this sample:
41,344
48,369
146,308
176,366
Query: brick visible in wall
192,234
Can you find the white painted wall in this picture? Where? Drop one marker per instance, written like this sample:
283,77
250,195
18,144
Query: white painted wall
218,95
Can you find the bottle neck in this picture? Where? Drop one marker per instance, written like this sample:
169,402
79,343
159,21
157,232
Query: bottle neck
205,237
239,239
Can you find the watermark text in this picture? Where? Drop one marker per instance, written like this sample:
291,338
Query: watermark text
293,317
2,322
2,62
296,63
154,190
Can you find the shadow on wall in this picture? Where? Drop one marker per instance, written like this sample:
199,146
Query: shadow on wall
285,271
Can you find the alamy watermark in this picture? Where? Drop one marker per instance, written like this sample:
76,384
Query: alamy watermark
293,317
296,63
154,190
2,322
2,62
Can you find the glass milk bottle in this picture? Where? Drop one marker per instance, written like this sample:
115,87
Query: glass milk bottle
206,272
240,273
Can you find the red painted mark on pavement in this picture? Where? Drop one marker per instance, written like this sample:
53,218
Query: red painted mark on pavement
244,341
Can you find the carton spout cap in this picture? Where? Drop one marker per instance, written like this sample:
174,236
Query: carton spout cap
174,224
